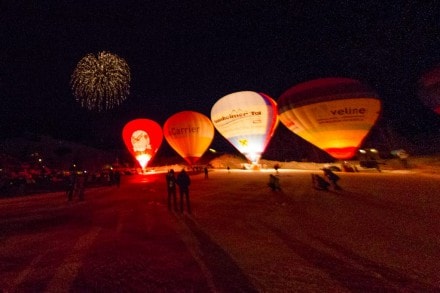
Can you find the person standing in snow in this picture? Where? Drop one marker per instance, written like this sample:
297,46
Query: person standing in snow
184,182
332,177
171,187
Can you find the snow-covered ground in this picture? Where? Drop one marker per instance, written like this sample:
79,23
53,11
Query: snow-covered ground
381,232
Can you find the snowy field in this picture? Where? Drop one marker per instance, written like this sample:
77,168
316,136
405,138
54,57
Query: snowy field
381,232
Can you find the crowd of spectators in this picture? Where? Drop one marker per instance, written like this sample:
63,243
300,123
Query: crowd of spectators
22,181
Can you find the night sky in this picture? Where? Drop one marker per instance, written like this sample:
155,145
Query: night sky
185,55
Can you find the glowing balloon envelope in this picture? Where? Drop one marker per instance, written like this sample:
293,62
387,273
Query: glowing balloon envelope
247,120
189,133
429,89
334,114
142,137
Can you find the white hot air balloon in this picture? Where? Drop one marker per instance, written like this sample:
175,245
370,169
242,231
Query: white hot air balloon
247,120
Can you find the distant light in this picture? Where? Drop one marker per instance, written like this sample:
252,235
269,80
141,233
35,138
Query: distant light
373,150
212,150
363,151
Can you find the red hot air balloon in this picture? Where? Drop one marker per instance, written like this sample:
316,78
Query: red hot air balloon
429,89
189,133
142,137
334,114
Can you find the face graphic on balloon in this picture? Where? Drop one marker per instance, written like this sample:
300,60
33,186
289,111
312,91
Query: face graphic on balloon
142,137
140,141
141,144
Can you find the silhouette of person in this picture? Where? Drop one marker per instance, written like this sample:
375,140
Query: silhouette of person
319,182
206,172
171,188
71,182
111,177
184,182
276,167
117,178
80,186
274,182
403,157
332,177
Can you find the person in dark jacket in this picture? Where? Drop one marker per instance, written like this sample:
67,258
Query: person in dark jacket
171,187
184,182
319,182
80,185
117,178
205,170
332,177
71,182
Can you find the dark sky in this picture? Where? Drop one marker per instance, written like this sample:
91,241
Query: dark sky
185,55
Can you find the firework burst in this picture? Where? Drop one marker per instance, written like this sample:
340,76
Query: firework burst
101,82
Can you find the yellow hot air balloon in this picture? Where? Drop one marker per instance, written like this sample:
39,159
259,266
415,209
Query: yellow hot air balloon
247,120
189,133
334,114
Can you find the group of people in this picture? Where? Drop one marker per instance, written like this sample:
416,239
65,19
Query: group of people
114,178
183,181
322,184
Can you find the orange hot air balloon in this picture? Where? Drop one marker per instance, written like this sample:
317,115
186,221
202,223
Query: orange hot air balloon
247,120
189,133
142,137
334,114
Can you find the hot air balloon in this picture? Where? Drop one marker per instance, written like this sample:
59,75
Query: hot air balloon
247,120
189,133
334,114
429,89
142,137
